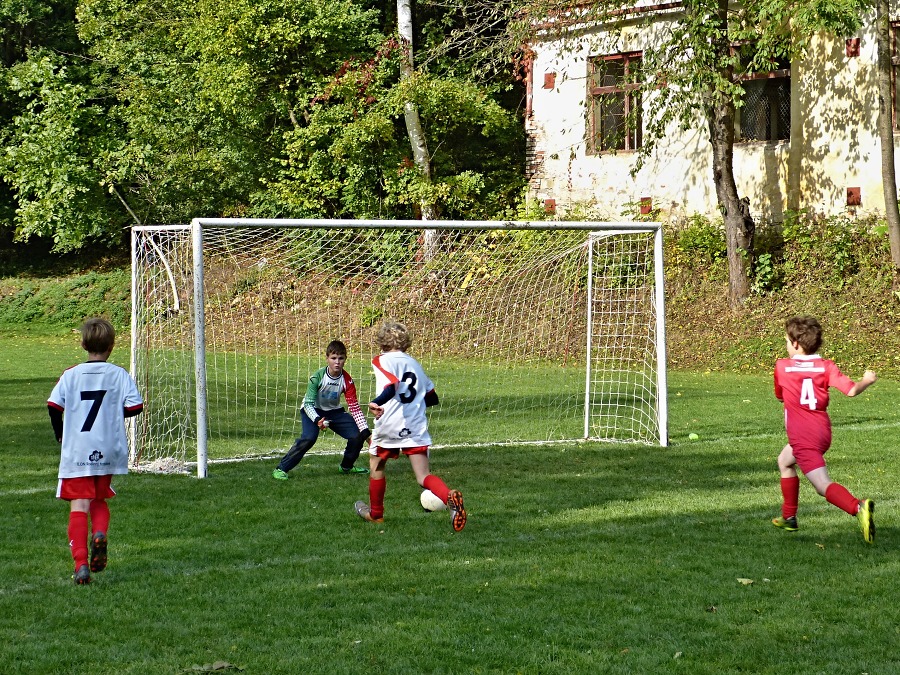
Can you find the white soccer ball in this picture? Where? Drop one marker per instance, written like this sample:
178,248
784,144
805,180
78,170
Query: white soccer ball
431,502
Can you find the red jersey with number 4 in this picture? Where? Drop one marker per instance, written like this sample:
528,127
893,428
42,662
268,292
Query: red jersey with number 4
802,384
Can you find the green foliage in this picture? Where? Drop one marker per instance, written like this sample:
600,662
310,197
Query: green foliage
834,250
272,108
765,273
67,301
52,159
696,246
353,157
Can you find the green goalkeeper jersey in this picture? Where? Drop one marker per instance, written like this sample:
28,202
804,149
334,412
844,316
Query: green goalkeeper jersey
324,393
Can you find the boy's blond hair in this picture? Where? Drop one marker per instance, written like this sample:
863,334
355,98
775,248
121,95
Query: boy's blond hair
393,335
805,331
97,336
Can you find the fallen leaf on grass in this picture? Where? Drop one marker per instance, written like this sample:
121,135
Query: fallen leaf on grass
745,582
212,667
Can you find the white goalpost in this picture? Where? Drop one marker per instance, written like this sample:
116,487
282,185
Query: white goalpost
532,331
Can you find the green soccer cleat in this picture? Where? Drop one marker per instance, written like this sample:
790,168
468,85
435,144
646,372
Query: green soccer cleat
352,469
364,512
82,576
98,552
458,514
866,518
278,474
788,524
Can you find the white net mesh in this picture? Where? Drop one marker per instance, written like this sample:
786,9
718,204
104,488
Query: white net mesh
499,319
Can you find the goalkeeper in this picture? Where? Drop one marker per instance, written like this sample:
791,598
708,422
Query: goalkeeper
322,410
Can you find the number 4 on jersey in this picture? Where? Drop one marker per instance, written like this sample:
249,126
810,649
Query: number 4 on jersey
808,394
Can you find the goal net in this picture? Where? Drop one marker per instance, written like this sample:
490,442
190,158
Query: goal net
532,332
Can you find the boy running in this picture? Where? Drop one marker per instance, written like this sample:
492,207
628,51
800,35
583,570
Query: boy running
96,397
801,382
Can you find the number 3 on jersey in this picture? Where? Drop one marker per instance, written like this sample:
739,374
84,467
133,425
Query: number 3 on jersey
409,378
808,394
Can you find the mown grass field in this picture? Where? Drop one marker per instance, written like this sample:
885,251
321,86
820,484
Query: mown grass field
581,558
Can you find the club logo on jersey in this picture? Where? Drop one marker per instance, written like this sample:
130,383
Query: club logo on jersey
95,456
404,432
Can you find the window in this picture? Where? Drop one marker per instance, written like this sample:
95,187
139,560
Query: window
766,111
614,97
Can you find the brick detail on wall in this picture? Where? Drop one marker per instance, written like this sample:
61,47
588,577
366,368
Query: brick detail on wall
534,163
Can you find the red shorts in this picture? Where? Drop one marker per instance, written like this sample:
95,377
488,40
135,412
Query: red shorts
394,453
808,460
85,487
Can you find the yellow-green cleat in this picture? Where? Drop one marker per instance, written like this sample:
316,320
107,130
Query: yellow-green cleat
788,524
278,474
866,518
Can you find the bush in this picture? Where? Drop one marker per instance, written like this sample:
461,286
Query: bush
67,301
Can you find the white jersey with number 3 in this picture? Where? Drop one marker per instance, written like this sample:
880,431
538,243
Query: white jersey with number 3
93,397
403,424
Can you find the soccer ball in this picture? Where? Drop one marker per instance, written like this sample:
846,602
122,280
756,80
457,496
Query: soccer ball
431,502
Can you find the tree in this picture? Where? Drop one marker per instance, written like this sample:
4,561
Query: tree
692,75
417,139
886,127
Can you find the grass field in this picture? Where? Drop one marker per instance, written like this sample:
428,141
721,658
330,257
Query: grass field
583,558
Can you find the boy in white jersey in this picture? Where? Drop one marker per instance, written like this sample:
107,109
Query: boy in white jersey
401,425
322,410
96,397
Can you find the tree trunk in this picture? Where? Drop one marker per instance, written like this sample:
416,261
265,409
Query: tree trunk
721,116
417,140
886,128
737,243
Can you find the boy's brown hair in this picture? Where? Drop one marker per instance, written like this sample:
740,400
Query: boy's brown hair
336,347
97,336
805,331
393,335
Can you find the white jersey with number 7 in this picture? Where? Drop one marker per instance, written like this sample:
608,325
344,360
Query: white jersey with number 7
93,397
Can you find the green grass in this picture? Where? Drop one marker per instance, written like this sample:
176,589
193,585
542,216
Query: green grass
581,558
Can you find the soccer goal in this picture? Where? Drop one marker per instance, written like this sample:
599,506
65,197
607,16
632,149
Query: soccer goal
532,331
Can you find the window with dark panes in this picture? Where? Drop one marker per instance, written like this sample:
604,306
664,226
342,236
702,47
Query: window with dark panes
614,98
765,113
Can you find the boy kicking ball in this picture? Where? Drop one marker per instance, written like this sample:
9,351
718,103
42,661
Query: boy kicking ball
801,383
401,425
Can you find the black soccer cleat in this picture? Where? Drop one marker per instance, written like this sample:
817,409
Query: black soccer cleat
82,576
98,552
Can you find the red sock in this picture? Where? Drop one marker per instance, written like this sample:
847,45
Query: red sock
377,488
99,516
78,533
840,496
790,492
437,486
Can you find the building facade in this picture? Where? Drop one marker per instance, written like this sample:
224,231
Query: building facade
806,133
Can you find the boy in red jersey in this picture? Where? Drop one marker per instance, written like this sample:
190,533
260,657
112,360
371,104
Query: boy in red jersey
402,426
96,397
801,382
